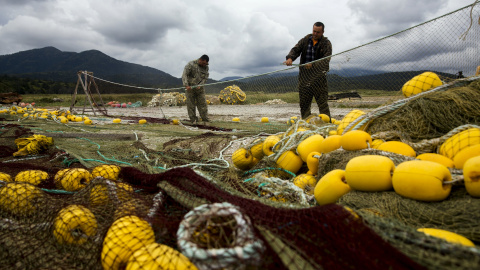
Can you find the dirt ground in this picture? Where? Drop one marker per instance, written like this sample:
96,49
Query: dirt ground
253,112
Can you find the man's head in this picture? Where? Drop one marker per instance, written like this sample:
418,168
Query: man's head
318,29
203,60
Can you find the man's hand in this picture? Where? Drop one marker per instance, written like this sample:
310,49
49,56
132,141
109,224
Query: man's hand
288,62
308,66
188,88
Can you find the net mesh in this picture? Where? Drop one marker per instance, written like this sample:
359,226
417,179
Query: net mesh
165,194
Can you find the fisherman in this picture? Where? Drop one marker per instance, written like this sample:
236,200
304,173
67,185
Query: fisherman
195,75
312,80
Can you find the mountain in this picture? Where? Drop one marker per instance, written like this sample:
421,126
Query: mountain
50,63
230,78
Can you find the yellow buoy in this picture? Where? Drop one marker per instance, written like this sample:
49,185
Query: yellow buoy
175,122
370,173
421,83
355,140
290,161
64,120
461,140
331,187
142,121
306,182
257,150
88,122
347,119
78,119
437,158
264,120
330,144
312,162
310,144
471,176
117,120
466,154
447,236
269,143
325,118
243,159
398,148
236,119
422,180
376,143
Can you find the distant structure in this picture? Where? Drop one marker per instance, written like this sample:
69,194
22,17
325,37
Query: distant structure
459,75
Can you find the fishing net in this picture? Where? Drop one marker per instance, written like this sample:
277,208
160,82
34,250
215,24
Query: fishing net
166,195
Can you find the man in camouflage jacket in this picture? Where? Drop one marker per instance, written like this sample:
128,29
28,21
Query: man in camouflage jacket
195,74
312,81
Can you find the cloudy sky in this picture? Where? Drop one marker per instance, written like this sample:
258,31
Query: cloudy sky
242,38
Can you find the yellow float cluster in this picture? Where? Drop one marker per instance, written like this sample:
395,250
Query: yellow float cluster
232,95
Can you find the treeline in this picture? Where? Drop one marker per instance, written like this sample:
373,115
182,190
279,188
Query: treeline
33,86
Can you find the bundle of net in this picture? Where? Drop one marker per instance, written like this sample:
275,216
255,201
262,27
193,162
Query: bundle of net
429,114
232,95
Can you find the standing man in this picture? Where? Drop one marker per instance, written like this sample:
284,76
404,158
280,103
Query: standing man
312,81
194,76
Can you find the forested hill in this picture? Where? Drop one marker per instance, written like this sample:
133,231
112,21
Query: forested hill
52,64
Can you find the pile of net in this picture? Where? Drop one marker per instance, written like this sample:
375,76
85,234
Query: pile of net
168,99
232,95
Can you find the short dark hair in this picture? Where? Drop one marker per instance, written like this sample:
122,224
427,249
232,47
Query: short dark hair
205,57
317,24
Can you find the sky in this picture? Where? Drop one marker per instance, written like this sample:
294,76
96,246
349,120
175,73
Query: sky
242,38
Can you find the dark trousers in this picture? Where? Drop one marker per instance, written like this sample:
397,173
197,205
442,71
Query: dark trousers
312,83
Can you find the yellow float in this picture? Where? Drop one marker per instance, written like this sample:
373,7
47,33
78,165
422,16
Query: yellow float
142,121
331,187
158,256
310,144
447,236
312,162
325,118
74,224
370,173
264,120
471,175
355,140
330,144
290,161
398,148
466,154
117,120
236,119
437,158
126,235
243,159
421,83
422,180
269,143
306,182
376,143
107,171
19,198
257,150
349,118
175,122
459,141
34,177
5,177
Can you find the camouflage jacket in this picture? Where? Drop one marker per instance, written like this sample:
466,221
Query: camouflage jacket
193,74
323,50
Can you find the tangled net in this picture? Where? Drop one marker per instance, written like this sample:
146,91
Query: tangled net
232,95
